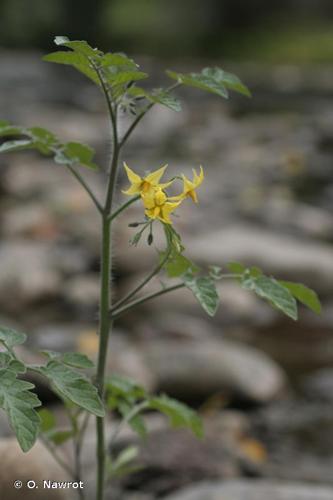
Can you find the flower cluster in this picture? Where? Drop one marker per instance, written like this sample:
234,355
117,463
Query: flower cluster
157,203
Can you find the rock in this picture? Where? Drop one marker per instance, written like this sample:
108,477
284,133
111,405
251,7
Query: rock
172,458
284,256
36,465
30,221
82,292
253,490
26,273
196,370
319,385
32,271
297,431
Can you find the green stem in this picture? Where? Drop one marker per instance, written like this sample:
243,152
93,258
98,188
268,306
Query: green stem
104,331
134,124
86,188
105,323
115,312
118,312
57,458
148,278
123,207
131,414
141,115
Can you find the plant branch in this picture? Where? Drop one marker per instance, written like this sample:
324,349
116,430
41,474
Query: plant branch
123,207
125,420
141,300
86,188
143,283
57,458
141,115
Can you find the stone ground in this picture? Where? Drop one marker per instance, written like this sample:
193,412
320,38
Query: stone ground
263,383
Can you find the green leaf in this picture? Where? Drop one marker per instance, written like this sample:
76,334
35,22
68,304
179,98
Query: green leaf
213,80
5,359
17,400
273,291
177,264
158,96
118,60
122,465
179,414
76,153
173,239
215,272
124,77
77,60
47,418
60,436
229,80
74,386
304,294
200,81
11,337
19,145
17,366
125,456
77,360
236,267
124,387
7,129
136,423
204,290
80,46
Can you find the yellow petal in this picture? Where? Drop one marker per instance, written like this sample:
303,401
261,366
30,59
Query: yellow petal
193,195
197,179
166,210
132,176
148,199
154,177
134,189
150,213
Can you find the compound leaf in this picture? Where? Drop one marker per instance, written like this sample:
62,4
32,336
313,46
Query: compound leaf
204,290
180,415
73,386
17,400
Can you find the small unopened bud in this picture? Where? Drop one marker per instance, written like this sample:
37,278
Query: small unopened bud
150,239
134,224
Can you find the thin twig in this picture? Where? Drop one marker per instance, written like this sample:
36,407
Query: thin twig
118,312
125,420
123,207
57,458
141,115
86,188
148,278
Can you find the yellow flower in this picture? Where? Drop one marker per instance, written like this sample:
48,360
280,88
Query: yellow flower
157,205
141,185
189,187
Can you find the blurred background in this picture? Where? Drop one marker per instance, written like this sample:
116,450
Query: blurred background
263,383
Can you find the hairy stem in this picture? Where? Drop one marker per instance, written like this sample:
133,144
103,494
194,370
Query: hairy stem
141,115
125,420
141,300
148,278
57,457
123,207
86,188
104,331
105,322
